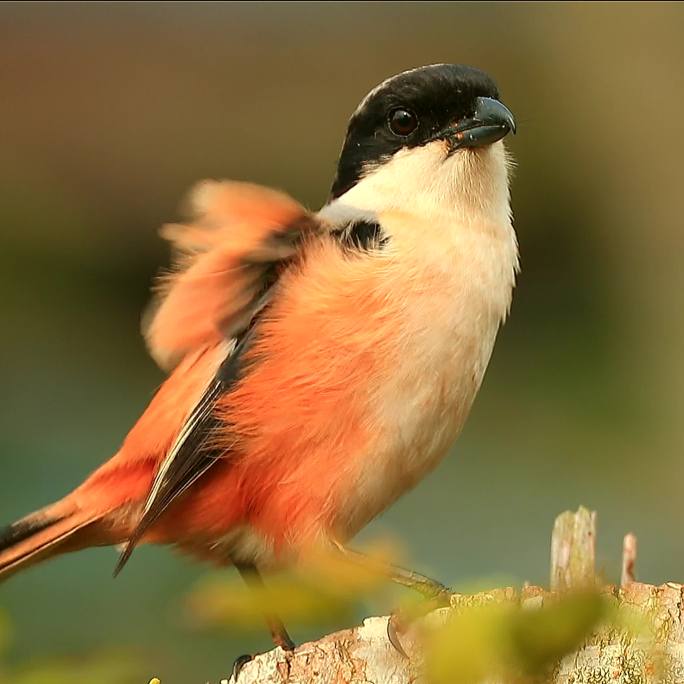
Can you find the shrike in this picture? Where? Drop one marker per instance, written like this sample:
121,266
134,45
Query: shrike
319,364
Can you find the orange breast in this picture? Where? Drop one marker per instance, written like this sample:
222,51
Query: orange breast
300,422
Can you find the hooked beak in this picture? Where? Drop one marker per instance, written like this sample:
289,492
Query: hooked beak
490,122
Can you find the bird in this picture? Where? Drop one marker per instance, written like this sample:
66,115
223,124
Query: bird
318,363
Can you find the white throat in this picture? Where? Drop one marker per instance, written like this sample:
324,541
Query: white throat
470,185
445,214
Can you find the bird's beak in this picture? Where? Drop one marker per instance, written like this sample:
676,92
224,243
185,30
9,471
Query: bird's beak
490,122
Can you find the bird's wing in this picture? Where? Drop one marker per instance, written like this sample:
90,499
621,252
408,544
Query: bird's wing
227,257
188,459
231,255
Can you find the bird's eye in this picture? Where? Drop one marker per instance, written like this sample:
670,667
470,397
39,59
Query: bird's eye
402,122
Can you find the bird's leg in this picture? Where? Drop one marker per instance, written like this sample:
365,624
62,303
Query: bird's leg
435,593
279,634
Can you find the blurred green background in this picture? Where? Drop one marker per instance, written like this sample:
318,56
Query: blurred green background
109,112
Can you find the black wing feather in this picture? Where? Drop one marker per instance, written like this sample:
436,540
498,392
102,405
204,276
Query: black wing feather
190,456
364,235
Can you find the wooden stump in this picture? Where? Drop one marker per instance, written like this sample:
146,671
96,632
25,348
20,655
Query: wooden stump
612,654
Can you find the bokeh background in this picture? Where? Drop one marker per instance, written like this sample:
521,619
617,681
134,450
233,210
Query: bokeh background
110,111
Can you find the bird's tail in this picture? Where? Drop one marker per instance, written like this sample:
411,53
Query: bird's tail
52,530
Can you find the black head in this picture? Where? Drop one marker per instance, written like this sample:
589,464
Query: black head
450,102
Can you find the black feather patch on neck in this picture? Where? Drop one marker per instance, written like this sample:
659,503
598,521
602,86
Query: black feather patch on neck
364,235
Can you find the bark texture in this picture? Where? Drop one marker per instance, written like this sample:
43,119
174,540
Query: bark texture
363,655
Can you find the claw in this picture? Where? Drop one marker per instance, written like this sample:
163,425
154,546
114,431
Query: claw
393,635
238,664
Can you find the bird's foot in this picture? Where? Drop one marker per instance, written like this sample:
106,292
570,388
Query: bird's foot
401,620
279,635
396,626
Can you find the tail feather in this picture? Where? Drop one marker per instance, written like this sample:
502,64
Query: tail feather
23,529
41,535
